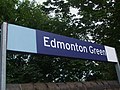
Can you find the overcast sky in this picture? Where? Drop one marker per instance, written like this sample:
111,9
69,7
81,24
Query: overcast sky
40,1
72,10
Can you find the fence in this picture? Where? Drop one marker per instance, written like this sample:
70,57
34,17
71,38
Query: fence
94,85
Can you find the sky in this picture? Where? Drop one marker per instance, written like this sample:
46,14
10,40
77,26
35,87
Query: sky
40,1
72,10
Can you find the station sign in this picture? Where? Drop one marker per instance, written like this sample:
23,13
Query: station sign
24,39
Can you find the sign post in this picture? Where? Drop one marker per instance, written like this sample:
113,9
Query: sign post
3,45
117,66
41,42
18,38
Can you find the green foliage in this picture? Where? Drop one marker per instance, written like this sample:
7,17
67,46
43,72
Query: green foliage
96,20
24,68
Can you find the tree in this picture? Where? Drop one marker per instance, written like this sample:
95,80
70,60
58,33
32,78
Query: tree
95,19
27,14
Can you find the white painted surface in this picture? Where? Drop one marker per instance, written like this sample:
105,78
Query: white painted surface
111,54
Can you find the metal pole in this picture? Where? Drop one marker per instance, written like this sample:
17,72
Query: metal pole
117,66
3,56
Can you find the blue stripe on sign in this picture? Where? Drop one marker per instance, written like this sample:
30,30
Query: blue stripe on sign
21,39
52,44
